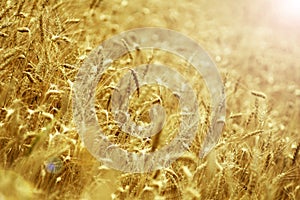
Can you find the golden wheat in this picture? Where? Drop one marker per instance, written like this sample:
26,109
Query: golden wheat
43,44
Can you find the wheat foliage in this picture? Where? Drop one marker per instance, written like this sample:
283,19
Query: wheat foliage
43,43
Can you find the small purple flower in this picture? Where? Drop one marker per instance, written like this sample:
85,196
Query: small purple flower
54,165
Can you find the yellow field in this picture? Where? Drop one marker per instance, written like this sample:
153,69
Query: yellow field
43,43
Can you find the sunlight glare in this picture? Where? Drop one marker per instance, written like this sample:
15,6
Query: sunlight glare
289,10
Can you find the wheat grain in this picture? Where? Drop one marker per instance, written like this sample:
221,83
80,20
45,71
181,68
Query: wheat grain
68,66
237,115
296,154
259,94
267,162
72,21
23,29
252,134
42,34
128,50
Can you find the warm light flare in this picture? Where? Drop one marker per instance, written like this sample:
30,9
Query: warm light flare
288,10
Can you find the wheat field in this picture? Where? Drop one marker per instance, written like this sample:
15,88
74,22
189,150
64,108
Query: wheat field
43,44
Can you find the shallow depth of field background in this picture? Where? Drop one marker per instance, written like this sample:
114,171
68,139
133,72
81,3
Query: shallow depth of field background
256,47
